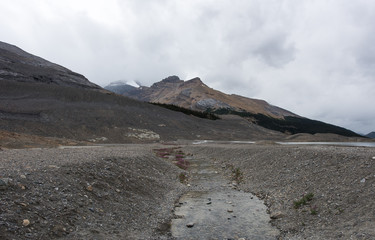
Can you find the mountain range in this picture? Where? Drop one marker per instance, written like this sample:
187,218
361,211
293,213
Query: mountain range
195,95
43,102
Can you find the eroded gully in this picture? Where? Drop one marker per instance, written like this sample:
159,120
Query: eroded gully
213,209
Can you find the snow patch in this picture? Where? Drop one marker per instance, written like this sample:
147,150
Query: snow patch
123,82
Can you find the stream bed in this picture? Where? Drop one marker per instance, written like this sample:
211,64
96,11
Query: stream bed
215,209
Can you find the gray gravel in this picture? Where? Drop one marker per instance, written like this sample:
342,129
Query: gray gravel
126,192
122,192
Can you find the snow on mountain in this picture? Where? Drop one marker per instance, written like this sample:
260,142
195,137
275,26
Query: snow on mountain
123,82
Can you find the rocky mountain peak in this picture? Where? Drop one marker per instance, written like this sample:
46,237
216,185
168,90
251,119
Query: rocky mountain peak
171,79
194,94
195,81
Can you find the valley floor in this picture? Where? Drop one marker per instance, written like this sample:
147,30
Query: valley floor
127,192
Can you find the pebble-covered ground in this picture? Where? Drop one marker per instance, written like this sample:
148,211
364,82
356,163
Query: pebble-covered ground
129,191
123,192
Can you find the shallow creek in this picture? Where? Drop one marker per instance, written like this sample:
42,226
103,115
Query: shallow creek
213,209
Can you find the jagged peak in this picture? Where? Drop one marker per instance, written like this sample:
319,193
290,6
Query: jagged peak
196,79
172,79
176,79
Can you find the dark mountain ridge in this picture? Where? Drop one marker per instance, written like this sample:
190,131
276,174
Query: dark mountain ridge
194,94
370,135
18,65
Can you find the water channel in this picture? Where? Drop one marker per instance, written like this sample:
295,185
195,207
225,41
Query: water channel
213,209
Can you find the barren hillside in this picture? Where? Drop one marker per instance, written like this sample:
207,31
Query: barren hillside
194,94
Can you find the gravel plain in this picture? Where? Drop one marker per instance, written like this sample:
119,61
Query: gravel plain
118,192
127,192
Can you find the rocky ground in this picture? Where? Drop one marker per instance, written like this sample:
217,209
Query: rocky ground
123,192
128,192
341,181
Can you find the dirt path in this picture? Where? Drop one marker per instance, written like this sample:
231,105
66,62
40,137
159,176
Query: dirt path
214,209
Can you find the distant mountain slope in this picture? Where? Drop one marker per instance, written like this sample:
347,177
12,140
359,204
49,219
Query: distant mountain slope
371,135
122,88
195,95
89,115
18,65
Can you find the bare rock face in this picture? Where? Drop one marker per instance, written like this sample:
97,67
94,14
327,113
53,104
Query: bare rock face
18,65
194,94
211,103
172,79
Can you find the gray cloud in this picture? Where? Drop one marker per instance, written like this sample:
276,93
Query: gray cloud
276,51
315,58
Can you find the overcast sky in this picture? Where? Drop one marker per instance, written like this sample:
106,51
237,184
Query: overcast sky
315,58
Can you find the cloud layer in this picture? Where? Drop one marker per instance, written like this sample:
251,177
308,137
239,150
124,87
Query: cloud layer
315,58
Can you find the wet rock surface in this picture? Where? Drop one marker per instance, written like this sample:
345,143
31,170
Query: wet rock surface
214,209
